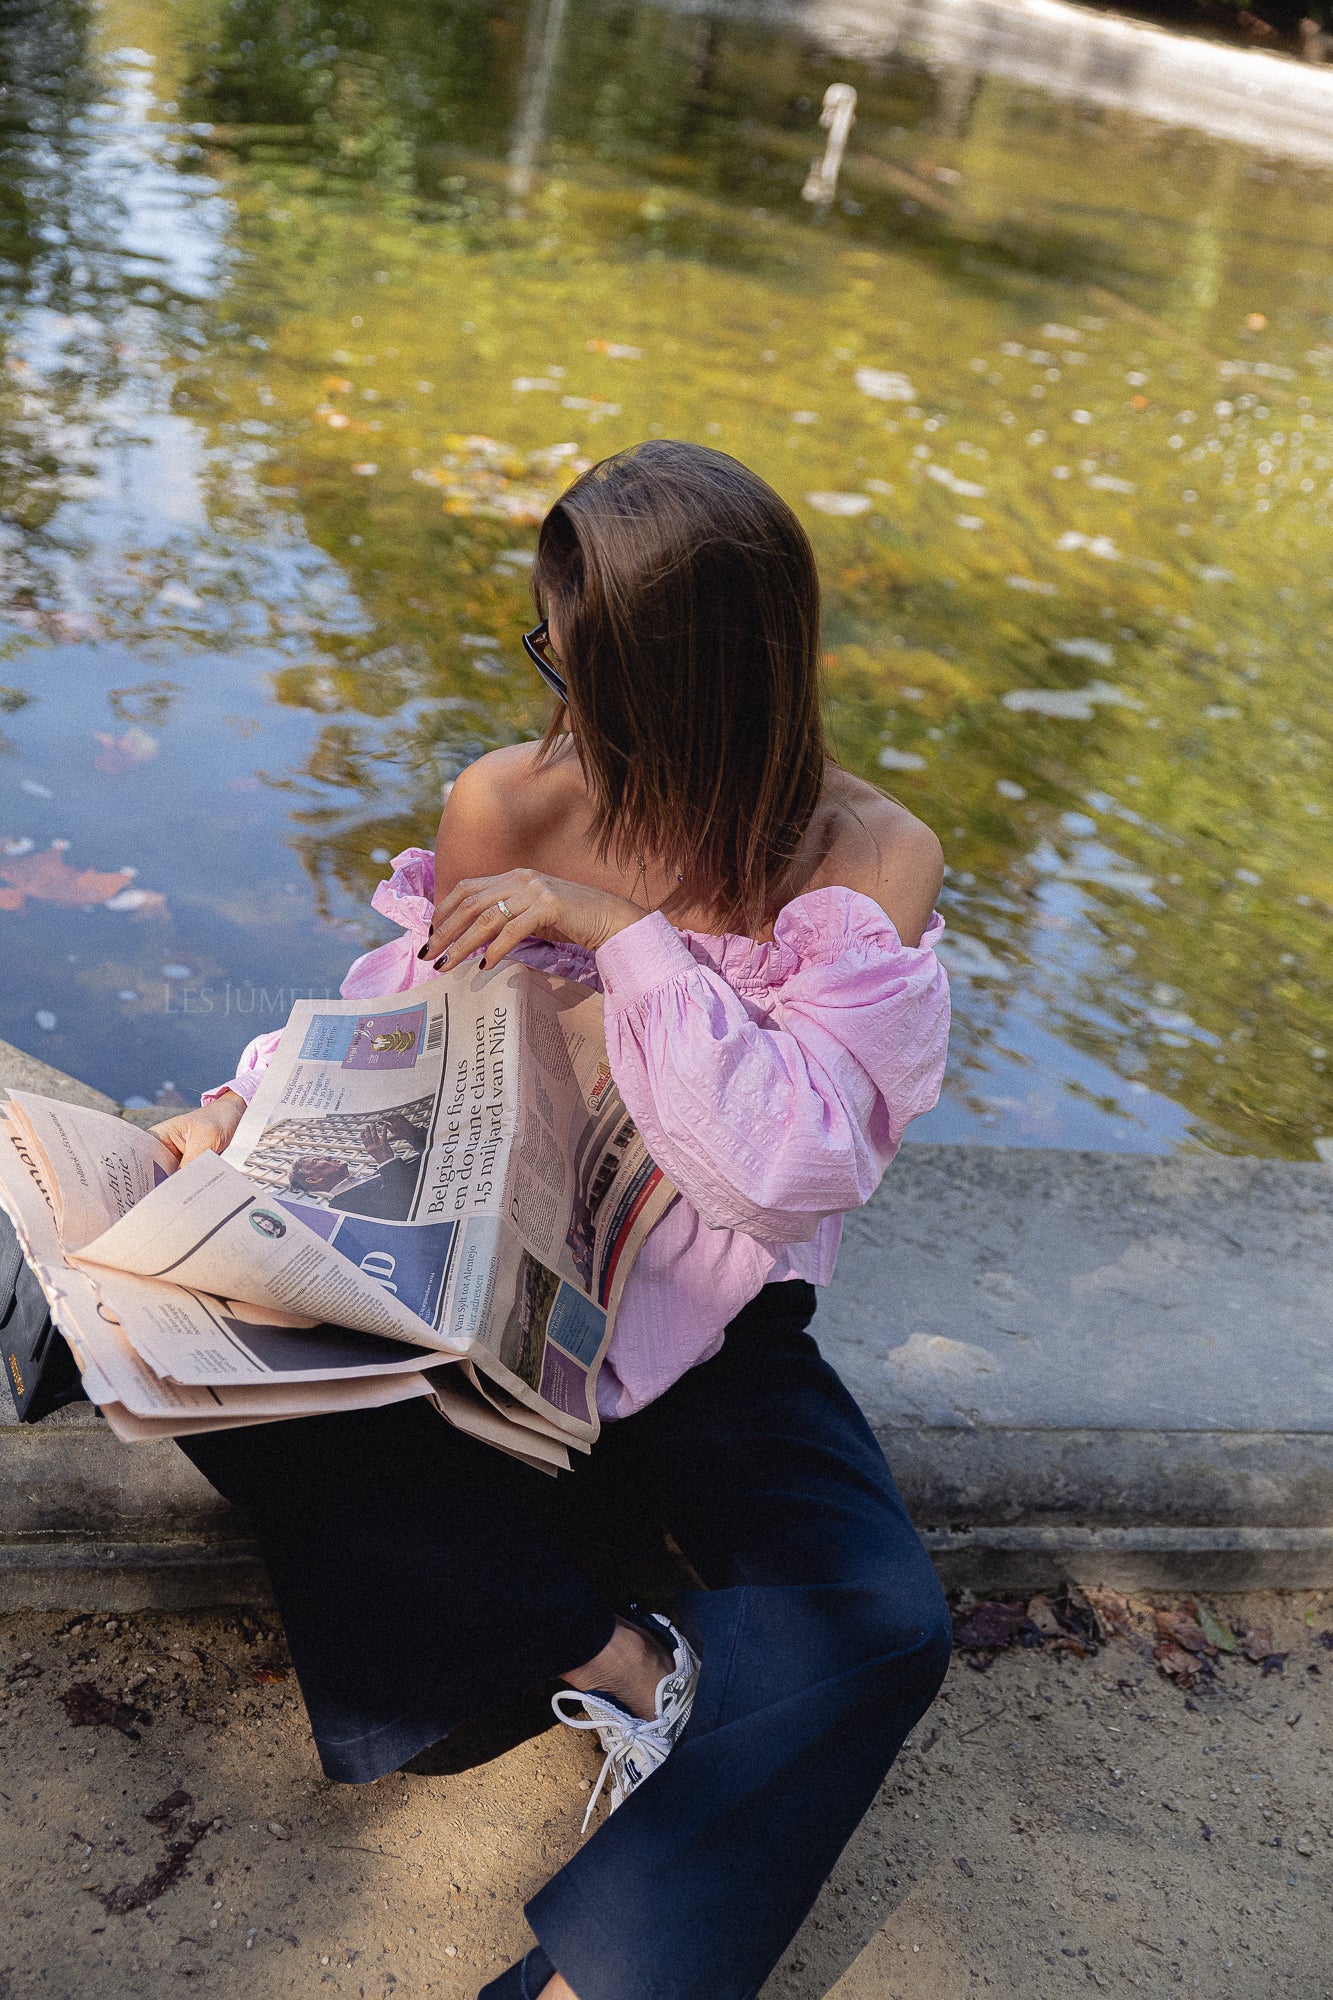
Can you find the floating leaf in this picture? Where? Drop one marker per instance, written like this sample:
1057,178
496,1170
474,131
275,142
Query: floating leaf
138,903
964,489
48,878
482,477
1097,650
843,505
1073,704
125,752
885,385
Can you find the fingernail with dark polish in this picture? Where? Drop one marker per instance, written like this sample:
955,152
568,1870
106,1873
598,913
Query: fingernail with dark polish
425,950
440,960
482,964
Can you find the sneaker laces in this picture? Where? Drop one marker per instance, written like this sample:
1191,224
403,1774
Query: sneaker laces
635,1745
622,1734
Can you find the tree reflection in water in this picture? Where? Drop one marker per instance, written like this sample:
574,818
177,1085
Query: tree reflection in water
1059,441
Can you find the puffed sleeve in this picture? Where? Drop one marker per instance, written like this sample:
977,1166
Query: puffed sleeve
255,1059
774,1111
408,900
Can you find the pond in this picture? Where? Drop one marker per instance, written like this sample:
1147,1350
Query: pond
308,312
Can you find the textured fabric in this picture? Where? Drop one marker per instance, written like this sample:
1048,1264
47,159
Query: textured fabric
772,1084
822,1635
523,1981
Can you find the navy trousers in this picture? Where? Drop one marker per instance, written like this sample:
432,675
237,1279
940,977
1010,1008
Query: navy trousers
422,1578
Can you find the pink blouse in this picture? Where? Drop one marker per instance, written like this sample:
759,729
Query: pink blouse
771,1083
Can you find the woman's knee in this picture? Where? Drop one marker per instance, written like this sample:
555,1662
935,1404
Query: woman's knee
886,1638
907,1633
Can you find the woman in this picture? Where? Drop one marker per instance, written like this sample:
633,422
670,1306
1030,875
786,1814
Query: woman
761,927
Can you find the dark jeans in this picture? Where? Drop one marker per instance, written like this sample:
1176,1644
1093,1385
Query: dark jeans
422,1578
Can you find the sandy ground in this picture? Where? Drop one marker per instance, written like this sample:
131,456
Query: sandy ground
1058,1823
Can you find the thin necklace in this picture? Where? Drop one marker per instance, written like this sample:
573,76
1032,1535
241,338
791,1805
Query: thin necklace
641,881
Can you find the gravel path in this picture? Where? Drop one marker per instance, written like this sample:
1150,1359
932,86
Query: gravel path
1066,1818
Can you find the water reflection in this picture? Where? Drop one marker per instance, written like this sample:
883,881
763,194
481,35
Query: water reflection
303,331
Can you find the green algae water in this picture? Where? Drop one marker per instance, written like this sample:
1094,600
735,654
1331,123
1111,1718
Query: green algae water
308,312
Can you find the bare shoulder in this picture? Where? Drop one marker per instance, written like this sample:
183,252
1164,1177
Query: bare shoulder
502,810
877,847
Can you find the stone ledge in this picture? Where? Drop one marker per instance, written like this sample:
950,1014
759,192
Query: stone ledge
1146,1558
82,1573
1106,1367
79,1479
20,1071
1004,1476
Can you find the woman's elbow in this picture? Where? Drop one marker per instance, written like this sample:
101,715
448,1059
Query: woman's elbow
775,1204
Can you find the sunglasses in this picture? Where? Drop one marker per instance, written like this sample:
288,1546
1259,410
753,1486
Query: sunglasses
535,645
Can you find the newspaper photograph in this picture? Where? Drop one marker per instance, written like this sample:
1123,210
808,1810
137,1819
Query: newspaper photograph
437,1193
467,1150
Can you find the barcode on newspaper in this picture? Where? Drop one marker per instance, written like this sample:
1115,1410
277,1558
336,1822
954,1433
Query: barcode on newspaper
435,1033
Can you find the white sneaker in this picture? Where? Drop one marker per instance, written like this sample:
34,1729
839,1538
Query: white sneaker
634,1747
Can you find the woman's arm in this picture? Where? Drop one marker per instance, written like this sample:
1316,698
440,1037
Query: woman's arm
768,1125
882,851
211,1129
504,813
499,813
764,1126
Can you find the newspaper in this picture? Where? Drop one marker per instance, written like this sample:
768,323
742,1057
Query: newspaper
438,1193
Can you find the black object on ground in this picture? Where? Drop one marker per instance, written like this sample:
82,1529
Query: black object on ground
42,1373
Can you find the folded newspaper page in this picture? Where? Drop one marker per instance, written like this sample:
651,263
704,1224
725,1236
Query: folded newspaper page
442,1196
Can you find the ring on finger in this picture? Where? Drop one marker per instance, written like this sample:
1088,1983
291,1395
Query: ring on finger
504,909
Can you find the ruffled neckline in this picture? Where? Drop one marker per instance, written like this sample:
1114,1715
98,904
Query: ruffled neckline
820,924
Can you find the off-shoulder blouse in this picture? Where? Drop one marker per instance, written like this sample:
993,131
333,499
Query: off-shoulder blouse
771,1083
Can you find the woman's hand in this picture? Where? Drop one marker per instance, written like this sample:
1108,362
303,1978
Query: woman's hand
208,1130
470,919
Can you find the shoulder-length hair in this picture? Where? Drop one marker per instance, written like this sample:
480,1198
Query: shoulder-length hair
688,609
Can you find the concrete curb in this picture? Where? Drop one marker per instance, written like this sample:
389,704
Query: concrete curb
1092,1366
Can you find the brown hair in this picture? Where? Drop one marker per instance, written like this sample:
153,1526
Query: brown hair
688,607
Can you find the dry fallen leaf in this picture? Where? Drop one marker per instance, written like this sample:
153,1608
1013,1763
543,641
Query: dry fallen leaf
1179,1665
1110,1611
1258,1643
88,1708
990,1624
1182,1628
1216,1633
